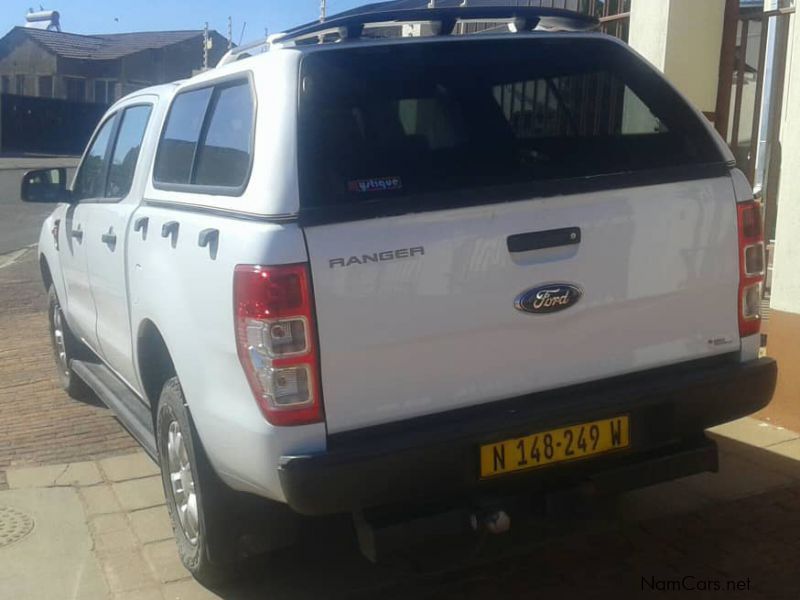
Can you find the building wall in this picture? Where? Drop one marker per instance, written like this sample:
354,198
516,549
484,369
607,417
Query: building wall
178,61
682,38
128,74
649,28
90,71
29,59
786,284
783,327
187,57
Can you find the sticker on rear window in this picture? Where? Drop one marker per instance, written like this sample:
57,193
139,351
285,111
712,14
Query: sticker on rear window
375,184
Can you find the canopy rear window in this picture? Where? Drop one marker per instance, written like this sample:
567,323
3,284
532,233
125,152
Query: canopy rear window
387,122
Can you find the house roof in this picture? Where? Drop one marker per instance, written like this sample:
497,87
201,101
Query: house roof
104,46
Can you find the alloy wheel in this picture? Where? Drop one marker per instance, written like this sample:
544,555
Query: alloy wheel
181,478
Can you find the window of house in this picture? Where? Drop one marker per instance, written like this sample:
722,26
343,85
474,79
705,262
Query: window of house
104,91
20,84
90,180
5,84
208,138
126,151
76,89
45,86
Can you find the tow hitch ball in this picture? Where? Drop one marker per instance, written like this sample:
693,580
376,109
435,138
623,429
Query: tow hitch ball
496,522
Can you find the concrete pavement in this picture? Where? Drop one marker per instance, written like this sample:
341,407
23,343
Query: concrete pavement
106,522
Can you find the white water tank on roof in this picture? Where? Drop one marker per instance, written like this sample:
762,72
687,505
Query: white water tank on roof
44,19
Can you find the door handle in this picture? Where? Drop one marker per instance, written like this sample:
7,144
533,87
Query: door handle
539,240
140,224
109,238
77,234
208,236
170,230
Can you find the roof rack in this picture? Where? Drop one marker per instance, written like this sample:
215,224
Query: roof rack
351,25
246,50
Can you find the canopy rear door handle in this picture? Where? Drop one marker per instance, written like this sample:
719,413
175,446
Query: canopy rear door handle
539,240
140,224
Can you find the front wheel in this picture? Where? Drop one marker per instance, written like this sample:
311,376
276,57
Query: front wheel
66,347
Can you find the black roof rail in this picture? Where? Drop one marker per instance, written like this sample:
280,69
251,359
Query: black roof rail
351,24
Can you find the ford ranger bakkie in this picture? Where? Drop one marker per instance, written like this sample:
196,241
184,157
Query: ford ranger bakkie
351,270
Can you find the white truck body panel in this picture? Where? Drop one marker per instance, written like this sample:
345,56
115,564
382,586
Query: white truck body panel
186,294
108,268
435,332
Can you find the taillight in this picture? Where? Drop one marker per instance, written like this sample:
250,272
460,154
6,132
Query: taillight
275,339
751,267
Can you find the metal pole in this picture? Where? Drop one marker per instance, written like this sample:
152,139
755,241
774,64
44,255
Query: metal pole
205,46
323,10
230,33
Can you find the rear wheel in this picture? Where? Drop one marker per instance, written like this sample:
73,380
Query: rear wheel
196,498
66,347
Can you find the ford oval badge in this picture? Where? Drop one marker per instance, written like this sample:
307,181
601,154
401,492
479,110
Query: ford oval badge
550,298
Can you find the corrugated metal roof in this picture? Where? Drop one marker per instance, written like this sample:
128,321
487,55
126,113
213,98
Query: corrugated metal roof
106,46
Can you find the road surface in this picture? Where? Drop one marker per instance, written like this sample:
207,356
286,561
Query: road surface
20,222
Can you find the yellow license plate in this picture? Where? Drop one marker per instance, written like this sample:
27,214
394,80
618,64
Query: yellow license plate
558,445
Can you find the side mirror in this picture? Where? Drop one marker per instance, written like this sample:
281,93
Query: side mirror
45,185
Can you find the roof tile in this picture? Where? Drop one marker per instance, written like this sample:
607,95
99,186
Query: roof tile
106,46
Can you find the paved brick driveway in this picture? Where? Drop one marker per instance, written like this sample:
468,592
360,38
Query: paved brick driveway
39,424
737,530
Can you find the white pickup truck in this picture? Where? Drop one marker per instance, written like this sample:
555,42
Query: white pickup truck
350,272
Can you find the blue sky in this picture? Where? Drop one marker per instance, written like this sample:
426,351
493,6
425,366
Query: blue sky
113,16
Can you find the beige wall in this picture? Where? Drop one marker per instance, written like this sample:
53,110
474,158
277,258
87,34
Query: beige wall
682,38
786,276
27,59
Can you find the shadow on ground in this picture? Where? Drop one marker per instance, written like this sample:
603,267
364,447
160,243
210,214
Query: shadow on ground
705,536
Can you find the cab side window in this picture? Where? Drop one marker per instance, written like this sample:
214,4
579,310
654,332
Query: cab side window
107,171
90,181
126,151
207,140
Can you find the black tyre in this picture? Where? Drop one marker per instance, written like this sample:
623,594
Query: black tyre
66,347
197,500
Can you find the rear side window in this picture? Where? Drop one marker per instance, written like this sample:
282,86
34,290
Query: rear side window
224,157
383,123
208,139
181,134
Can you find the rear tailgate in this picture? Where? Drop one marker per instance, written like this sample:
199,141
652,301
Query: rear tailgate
418,161
408,335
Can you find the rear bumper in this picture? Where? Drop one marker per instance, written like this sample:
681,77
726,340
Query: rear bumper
435,458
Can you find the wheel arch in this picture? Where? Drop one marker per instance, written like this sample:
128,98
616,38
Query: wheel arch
154,362
44,268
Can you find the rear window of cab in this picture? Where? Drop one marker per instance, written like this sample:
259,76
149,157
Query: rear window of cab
207,140
382,123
